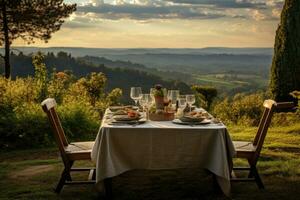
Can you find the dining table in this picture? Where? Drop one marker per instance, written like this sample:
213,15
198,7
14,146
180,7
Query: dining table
158,145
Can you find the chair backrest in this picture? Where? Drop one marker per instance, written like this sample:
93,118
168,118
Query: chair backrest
263,126
265,121
48,106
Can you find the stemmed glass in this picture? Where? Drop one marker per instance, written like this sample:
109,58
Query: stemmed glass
146,101
173,96
182,101
190,99
181,105
152,93
136,94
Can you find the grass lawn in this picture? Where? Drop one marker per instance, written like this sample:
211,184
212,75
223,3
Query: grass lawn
32,174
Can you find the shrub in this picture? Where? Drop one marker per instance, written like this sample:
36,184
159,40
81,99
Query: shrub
79,121
242,109
23,124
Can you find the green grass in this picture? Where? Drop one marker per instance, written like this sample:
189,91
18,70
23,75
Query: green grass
278,165
216,80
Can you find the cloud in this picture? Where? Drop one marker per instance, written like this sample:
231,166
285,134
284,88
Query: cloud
149,11
258,16
225,3
143,10
96,2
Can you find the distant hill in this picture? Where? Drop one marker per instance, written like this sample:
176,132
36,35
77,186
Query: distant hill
188,61
118,77
80,52
165,74
230,70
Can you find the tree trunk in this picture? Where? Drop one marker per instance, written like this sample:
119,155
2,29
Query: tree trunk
7,43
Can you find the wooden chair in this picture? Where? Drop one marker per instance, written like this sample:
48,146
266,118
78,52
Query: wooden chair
70,152
251,150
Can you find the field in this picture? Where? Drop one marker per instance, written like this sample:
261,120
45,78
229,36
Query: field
31,174
231,81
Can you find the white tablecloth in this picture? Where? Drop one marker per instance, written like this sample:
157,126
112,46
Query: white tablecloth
163,145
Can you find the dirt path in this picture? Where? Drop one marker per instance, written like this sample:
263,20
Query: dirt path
31,171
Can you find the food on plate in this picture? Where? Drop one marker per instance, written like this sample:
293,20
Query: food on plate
120,112
195,116
133,114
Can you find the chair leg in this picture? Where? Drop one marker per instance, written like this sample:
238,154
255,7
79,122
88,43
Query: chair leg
257,178
62,181
94,175
250,175
68,175
108,188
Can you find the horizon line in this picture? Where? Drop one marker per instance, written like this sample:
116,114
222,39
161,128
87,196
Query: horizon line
224,47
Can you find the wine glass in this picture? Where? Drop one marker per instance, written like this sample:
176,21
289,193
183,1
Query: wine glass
136,94
190,99
146,101
181,105
173,96
182,101
152,93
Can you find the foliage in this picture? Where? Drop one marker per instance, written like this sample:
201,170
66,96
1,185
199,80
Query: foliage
242,109
247,110
94,85
29,20
117,77
24,124
206,95
285,71
40,76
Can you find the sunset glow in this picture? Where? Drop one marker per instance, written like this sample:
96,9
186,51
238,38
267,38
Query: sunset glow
168,24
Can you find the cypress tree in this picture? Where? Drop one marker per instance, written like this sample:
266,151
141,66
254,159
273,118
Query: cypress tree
285,70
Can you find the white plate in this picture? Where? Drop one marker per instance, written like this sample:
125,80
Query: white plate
205,121
134,122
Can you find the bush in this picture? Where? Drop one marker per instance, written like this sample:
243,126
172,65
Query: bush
242,109
247,110
23,124
79,121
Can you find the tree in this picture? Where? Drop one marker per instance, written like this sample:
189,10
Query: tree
285,70
206,94
29,20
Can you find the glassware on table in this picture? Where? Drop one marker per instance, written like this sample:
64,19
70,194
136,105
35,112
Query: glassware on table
152,93
182,101
190,99
146,101
173,96
181,106
136,94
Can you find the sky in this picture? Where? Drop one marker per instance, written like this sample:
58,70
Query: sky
168,24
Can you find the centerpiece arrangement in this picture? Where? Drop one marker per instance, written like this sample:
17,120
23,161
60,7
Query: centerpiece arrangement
161,109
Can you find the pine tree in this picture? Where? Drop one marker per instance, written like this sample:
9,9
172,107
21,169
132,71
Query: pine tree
285,70
29,20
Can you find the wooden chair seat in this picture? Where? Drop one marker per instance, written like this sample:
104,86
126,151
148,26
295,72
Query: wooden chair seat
79,150
79,146
242,146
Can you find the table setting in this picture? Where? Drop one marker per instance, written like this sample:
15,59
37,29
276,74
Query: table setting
159,105
162,130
